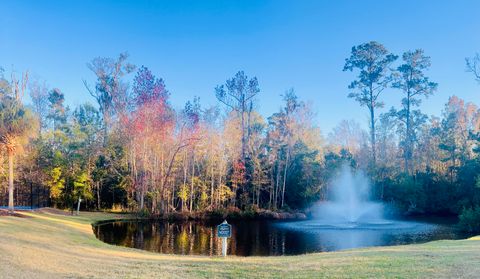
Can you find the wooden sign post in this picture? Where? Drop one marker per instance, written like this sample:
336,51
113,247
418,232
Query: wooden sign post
224,231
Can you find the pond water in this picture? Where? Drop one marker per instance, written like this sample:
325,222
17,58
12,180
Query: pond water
268,238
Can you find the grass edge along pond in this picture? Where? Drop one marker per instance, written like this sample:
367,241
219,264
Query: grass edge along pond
45,245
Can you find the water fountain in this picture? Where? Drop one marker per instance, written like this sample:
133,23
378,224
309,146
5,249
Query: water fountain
350,205
350,219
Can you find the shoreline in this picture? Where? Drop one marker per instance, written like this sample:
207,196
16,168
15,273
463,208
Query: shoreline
230,215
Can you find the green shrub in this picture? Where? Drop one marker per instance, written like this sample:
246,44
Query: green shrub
249,213
216,214
470,220
144,213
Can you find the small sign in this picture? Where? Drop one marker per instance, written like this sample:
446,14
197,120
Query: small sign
224,230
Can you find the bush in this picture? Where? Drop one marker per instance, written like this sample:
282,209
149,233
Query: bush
144,213
216,214
470,220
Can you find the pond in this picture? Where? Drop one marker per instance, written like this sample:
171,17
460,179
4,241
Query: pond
268,238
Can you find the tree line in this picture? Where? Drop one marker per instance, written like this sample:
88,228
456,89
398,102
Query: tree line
132,150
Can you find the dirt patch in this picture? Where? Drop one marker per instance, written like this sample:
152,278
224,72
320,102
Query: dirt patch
4,212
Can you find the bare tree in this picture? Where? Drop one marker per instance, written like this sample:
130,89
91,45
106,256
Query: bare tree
238,94
39,94
473,66
110,92
347,135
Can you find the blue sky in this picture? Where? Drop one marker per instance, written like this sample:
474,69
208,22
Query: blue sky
196,45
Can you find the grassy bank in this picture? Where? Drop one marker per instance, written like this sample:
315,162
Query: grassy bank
47,245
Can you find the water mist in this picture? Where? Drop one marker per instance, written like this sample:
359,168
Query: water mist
350,201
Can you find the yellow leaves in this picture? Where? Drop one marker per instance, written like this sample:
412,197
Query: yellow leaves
225,193
56,173
56,183
81,186
183,193
203,199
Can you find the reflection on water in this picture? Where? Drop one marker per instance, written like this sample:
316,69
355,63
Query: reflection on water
261,238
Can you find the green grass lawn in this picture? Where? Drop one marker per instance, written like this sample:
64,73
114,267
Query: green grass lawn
55,246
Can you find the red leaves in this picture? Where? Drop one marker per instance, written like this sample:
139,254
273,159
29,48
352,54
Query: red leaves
152,119
151,115
239,172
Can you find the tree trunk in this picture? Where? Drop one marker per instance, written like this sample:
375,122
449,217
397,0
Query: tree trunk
220,176
212,184
271,188
408,138
10,181
98,195
106,120
275,199
142,197
372,137
144,174
78,205
191,184
185,165
285,177
244,141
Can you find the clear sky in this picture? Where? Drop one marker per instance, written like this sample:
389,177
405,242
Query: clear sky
196,45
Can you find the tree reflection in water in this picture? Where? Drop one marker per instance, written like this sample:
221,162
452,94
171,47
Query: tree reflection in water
194,237
259,238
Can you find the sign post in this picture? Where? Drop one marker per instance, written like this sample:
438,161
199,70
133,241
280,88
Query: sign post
224,231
